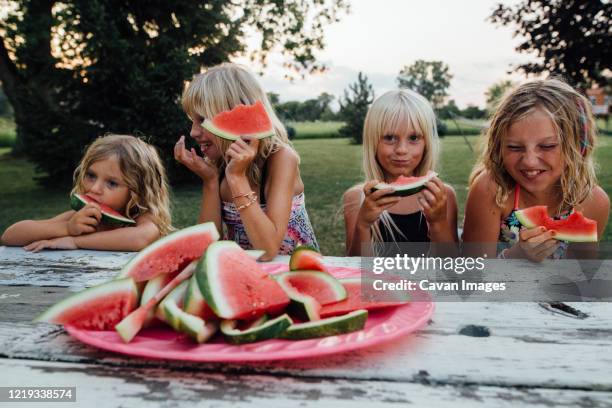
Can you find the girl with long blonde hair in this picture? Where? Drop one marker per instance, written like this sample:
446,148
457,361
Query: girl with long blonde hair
117,171
399,139
251,188
538,150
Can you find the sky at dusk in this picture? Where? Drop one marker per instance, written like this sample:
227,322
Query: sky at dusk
380,37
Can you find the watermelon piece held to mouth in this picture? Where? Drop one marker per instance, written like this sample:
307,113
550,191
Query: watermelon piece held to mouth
243,120
100,307
354,300
575,228
109,216
406,186
171,253
306,258
235,286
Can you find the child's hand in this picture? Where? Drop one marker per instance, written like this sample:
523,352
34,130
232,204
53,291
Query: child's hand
56,243
375,203
433,201
85,220
201,166
537,243
240,155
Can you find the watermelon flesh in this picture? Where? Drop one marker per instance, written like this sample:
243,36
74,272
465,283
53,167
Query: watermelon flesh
405,186
97,308
235,286
171,253
353,301
575,228
109,216
306,258
243,120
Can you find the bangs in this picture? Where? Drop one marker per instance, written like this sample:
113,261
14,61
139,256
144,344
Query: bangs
192,101
398,119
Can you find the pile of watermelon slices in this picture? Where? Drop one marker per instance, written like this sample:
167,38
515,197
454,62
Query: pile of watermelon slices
200,286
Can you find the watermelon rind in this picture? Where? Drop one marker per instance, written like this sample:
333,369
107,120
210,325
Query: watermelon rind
78,201
305,257
95,293
269,329
302,306
167,243
333,284
330,326
194,302
255,253
524,219
170,312
407,189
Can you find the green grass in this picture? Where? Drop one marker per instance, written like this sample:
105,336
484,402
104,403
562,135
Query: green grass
316,130
7,132
328,168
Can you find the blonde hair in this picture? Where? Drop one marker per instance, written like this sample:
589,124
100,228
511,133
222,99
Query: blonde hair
396,113
223,87
573,120
142,171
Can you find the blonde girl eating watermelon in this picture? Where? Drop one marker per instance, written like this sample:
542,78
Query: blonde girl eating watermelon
539,151
250,186
119,175
399,140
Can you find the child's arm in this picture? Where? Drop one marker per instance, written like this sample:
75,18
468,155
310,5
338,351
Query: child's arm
265,230
119,239
358,224
597,207
27,231
482,218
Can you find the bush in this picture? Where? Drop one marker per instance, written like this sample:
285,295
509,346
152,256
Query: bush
354,108
442,128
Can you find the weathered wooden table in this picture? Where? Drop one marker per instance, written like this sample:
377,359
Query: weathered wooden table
470,354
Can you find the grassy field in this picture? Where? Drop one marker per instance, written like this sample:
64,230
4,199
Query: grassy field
7,132
329,167
316,130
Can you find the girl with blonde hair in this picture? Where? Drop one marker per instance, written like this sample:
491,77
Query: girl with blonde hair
117,171
399,139
251,187
538,151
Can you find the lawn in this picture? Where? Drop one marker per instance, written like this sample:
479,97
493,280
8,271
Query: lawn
316,130
328,167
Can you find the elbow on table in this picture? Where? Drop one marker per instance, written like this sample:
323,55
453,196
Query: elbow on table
142,242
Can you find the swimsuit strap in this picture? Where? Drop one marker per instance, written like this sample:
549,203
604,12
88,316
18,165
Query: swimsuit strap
517,190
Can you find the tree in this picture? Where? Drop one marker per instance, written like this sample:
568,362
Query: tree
449,111
570,37
429,78
496,92
474,112
81,68
354,107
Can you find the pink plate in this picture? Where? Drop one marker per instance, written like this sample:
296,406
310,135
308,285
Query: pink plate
383,325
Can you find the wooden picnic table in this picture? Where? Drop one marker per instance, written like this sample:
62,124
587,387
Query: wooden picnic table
470,354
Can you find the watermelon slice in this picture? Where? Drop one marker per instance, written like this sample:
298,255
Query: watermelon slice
98,308
171,253
306,258
132,323
575,228
235,286
331,326
169,311
109,216
243,120
321,286
263,329
354,300
405,186
151,288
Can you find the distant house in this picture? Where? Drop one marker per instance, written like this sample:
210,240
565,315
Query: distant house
600,101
